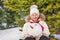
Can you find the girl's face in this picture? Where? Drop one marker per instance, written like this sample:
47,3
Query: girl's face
34,16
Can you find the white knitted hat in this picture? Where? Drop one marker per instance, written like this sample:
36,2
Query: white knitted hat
34,9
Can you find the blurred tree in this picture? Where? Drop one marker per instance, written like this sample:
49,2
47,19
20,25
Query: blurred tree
20,8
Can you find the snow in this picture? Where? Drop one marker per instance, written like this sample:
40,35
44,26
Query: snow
14,34
57,36
10,34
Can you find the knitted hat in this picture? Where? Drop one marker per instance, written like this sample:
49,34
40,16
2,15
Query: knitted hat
34,9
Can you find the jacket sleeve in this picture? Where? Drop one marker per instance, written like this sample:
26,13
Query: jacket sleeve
25,27
46,29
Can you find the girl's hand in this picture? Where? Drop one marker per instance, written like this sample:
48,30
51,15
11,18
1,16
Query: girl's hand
45,34
37,37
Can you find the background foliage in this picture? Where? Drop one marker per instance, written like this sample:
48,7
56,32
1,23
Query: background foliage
17,9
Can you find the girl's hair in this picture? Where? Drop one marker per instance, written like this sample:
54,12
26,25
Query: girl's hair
41,16
27,18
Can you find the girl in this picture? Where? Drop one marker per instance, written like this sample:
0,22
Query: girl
42,19
33,29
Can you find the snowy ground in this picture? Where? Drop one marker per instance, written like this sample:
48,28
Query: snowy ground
10,34
14,34
57,36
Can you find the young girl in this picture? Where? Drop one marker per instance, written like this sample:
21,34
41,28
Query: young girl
33,29
42,19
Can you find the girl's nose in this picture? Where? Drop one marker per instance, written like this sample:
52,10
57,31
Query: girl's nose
35,16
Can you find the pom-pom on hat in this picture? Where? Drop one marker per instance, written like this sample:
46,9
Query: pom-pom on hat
34,9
